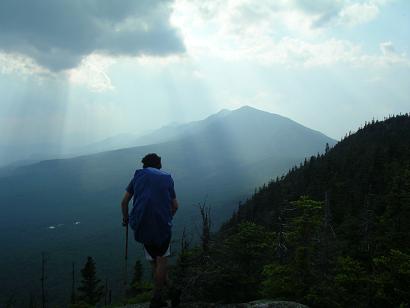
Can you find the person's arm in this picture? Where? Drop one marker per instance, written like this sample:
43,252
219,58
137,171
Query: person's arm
174,206
124,207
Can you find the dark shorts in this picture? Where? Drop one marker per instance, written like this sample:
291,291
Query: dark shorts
154,251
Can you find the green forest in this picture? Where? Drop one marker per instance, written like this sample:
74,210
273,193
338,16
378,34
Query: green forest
332,232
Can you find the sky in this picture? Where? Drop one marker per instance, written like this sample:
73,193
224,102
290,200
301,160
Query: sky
77,71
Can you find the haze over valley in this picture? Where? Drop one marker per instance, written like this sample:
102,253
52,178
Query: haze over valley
219,160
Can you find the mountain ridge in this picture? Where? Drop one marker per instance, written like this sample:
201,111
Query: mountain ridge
221,164
199,126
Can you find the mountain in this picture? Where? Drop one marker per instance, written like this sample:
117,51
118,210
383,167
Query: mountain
108,144
22,154
176,131
220,159
333,232
166,133
12,156
241,149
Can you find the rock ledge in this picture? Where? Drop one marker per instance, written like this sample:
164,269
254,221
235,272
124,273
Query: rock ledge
264,303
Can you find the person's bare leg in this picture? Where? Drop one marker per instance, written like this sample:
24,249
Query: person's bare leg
159,270
160,273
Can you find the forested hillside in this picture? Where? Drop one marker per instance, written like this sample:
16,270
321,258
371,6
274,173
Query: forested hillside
333,232
70,207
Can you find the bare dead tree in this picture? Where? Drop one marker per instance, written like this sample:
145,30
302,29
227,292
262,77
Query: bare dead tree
32,301
326,237
184,244
43,280
280,241
106,293
206,226
367,217
328,217
10,301
73,284
286,214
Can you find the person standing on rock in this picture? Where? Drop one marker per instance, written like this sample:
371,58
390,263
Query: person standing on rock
154,205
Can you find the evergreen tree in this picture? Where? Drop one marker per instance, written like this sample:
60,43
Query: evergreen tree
90,290
392,279
137,276
350,282
303,231
179,273
136,286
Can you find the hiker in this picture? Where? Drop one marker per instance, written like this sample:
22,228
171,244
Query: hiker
154,205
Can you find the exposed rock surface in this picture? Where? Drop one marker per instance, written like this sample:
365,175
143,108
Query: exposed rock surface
254,304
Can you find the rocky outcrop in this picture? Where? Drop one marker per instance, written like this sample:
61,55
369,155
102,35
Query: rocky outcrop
255,304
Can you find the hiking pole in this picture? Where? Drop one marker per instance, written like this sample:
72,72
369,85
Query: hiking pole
126,242
126,253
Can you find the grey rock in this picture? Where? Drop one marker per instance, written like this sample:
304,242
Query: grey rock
264,303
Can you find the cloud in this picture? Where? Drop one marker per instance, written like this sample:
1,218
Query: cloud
92,74
18,64
281,32
58,35
358,13
327,13
391,57
387,49
290,16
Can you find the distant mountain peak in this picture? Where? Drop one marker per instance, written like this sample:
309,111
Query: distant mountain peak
248,109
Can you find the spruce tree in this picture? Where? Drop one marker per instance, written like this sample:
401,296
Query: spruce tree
136,286
90,290
137,277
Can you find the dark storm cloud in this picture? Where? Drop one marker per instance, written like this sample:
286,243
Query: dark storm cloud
59,33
